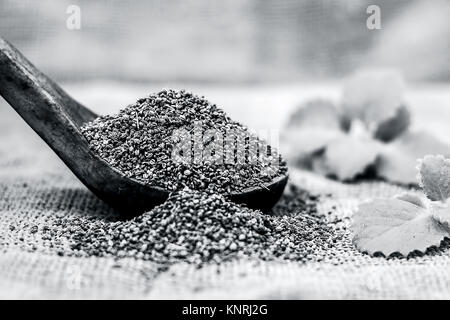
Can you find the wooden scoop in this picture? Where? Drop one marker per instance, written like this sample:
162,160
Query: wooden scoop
57,119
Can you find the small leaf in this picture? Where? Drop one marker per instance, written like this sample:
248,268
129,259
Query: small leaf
394,225
347,157
397,161
434,176
316,113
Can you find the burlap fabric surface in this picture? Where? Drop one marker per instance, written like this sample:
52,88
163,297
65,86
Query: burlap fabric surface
35,187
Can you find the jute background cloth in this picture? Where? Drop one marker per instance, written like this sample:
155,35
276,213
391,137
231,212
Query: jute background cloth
35,187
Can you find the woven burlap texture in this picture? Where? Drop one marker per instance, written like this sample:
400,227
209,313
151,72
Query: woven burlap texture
35,187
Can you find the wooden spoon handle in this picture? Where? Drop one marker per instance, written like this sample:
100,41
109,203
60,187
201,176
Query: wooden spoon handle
47,109
32,94
57,118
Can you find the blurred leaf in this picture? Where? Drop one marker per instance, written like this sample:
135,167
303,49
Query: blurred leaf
310,128
397,161
316,113
298,144
347,157
373,96
393,127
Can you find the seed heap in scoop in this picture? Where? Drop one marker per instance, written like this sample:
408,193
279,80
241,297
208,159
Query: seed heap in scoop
139,142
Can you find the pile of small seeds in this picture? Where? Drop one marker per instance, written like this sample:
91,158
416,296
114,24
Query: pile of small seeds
199,227
139,142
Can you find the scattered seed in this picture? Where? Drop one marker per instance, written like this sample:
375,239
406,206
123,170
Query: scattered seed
174,231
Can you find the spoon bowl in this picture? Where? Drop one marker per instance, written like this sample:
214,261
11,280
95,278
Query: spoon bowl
57,119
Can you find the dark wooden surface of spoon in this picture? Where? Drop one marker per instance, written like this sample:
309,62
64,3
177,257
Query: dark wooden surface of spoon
57,118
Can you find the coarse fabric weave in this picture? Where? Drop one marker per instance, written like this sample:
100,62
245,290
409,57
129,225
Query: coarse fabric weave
36,188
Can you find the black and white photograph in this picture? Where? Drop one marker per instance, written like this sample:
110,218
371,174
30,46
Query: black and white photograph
237,151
